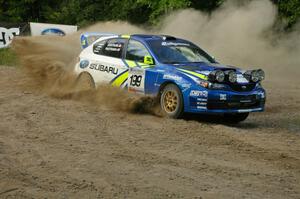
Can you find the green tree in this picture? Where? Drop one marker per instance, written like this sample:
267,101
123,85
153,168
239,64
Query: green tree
68,12
162,7
83,12
289,10
206,5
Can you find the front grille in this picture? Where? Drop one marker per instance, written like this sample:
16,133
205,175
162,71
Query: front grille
233,105
243,98
242,87
237,102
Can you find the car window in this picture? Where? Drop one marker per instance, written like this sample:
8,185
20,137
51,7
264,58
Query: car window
178,52
98,47
136,51
111,47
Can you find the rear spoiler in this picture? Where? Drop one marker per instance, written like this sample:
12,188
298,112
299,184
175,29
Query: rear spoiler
88,38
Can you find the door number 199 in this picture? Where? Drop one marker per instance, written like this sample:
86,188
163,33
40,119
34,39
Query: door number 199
135,80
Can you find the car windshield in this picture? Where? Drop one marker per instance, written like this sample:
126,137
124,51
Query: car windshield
172,52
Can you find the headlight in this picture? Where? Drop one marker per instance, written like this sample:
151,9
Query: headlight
254,75
220,76
261,74
231,76
217,75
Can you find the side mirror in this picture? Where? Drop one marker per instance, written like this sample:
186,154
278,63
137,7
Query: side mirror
148,60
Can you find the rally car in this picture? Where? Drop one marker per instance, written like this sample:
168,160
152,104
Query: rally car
181,75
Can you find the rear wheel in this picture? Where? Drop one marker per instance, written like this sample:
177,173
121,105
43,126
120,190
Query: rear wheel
235,117
84,82
171,101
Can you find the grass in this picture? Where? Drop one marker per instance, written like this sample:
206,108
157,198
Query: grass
7,57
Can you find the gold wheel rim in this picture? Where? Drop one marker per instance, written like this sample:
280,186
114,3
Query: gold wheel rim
170,101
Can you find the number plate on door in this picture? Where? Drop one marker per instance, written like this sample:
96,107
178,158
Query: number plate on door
136,80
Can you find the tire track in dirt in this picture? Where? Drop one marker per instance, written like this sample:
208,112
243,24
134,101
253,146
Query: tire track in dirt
72,149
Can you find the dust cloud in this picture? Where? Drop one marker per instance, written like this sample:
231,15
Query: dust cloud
244,35
48,63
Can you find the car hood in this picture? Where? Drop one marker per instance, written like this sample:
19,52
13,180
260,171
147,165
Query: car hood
202,70
202,66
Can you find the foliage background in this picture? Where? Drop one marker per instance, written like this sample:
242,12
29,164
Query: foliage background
85,12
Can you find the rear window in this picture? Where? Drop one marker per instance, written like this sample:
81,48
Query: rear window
98,47
111,47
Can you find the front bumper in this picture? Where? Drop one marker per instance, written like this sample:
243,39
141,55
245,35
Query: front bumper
214,101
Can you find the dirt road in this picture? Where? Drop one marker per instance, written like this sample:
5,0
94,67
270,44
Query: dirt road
52,148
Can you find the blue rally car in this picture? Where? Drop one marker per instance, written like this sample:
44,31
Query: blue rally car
181,75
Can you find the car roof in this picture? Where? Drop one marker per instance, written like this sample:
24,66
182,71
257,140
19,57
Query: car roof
146,37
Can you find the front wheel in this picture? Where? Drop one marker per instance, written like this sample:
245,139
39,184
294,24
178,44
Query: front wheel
171,101
235,117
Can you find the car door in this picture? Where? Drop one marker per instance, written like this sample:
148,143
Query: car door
138,59
106,61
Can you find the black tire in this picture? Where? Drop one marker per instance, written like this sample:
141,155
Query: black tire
171,101
235,118
84,82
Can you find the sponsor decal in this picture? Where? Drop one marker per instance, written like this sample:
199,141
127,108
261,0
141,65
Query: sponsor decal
103,68
223,97
115,47
199,103
6,36
195,93
204,72
186,85
192,74
201,100
174,44
132,89
120,79
53,31
173,77
136,80
83,64
97,48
